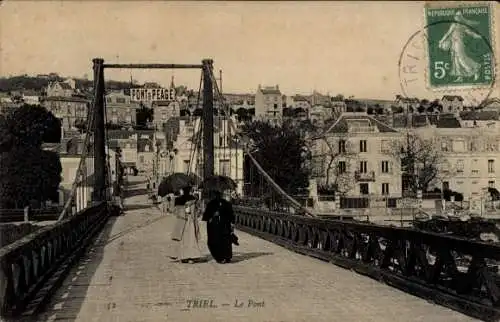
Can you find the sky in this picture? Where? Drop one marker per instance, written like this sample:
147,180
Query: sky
349,48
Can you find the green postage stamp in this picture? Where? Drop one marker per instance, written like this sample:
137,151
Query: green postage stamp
459,45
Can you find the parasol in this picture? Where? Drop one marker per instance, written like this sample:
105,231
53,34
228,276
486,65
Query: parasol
219,183
174,182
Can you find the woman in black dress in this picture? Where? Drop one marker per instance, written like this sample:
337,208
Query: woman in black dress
219,216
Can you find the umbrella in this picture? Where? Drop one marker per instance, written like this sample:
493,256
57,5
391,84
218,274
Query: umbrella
174,182
219,183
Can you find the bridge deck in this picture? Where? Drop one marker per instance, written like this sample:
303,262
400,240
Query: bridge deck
128,276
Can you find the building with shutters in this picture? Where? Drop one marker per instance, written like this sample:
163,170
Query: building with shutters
120,110
354,155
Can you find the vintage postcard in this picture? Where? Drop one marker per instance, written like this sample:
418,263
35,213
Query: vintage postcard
260,161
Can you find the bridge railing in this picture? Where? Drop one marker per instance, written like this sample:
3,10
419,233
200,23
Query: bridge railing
452,271
30,262
16,215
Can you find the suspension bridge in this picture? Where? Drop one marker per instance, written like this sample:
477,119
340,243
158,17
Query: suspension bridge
291,266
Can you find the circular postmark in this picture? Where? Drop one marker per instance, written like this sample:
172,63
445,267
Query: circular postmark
448,57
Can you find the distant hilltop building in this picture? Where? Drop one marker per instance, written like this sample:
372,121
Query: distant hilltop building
269,103
120,110
61,89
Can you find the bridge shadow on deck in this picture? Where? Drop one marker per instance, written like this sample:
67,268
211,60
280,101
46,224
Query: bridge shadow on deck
68,300
131,192
240,257
138,207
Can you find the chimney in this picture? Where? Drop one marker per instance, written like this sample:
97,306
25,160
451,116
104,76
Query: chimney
278,87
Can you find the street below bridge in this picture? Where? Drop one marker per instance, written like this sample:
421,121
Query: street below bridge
127,276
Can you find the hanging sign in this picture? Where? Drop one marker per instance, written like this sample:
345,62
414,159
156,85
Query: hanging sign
152,94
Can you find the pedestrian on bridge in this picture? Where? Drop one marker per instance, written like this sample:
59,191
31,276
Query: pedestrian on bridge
220,219
186,228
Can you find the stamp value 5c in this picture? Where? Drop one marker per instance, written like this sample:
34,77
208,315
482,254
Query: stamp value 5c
459,46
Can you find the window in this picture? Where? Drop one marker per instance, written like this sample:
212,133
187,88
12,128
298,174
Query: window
120,100
385,167
491,146
385,188
141,159
459,146
446,185
186,166
362,146
363,166
364,188
444,146
275,106
342,146
460,165
491,184
491,166
225,168
473,145
108,99
474,167
342,167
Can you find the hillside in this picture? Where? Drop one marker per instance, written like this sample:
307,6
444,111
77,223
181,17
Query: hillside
8,84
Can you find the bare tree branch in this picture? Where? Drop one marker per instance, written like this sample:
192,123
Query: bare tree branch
420,160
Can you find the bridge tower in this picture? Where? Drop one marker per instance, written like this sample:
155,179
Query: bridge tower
208,118
99,127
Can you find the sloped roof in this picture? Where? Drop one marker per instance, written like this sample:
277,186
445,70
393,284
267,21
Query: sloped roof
419,120
270,90
452,97
448,121
65,85
341,124
479,115
119,134
67,99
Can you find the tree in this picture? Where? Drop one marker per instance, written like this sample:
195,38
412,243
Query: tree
243,115
370,110
81,125
338,155
28,173
421,109
396,109
198,112
144,115
435,105
288,112
28,125
338,97
420,160
280,152
298,112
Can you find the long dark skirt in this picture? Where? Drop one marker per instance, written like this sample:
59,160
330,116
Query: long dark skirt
219,241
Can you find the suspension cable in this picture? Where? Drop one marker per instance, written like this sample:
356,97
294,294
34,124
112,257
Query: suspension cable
194,142
257,165
83,158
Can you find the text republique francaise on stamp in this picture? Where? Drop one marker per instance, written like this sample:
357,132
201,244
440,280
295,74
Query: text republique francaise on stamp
453,52
459,46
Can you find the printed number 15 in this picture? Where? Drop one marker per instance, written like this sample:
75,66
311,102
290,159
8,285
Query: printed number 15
440,69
